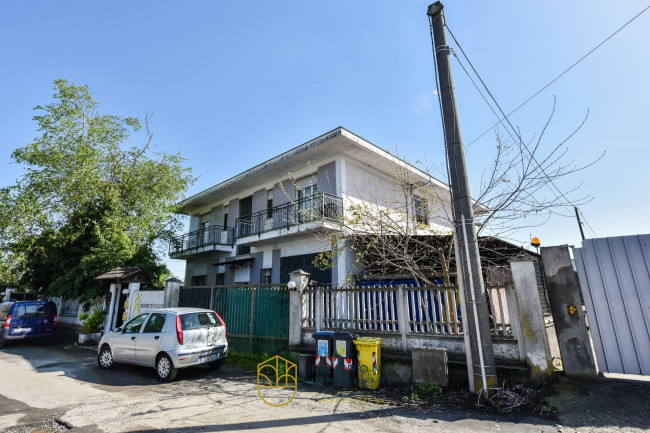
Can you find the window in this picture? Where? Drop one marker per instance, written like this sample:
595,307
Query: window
156,323
306,203
198,321
266,276
33,311
198,280
133,327
269,203
220,280
225,219
307,191
421,210
205,230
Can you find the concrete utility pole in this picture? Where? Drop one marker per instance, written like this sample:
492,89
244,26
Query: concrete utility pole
582,233
481,368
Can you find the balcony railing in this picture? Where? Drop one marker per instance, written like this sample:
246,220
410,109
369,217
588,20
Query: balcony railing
318,207
213,235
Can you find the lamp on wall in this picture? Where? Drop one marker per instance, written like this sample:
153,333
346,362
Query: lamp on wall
291,285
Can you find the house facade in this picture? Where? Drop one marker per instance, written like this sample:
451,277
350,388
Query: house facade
258,226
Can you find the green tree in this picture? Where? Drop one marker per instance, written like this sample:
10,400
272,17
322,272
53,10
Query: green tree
88,199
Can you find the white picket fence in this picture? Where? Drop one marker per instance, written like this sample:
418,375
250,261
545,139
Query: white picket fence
427,310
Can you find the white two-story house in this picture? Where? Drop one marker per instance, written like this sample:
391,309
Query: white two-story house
260,225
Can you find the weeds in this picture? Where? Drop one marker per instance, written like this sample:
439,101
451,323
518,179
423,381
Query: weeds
250,361
427,390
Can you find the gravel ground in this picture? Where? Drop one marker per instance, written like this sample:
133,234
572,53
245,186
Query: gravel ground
56,389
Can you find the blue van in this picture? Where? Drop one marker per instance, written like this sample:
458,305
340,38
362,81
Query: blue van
22,320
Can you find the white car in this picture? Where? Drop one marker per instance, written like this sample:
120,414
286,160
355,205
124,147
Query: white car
167,339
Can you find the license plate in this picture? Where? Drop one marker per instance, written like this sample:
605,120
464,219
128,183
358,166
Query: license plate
208,358
22,329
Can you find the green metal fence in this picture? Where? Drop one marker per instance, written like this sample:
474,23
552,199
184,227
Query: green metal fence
257,317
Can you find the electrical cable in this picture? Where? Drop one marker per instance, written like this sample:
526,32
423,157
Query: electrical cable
587,222
505,117
491,108
560,75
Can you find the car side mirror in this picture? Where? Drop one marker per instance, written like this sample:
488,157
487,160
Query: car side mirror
118,330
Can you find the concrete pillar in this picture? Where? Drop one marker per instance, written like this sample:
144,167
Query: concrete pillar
109,323
133,287
569,319
531,320
297,305
172,292
402,317
318,308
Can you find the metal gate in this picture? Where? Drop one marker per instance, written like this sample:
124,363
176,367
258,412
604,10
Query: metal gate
257,317
615,278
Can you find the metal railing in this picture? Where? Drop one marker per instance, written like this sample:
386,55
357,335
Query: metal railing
213,235
318,207
420,310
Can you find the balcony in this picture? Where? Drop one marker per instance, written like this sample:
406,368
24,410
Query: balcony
310,213
211,239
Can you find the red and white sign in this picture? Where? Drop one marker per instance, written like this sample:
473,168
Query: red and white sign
347,364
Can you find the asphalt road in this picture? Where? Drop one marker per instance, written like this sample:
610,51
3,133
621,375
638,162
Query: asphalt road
57,389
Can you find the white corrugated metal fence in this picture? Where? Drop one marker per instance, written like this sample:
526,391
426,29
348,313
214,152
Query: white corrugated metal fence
615,279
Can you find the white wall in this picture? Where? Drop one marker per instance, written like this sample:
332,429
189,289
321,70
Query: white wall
379,190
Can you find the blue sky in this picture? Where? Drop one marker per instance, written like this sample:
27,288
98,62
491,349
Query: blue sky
232,84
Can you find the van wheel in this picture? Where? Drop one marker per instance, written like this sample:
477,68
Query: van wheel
105,358
2,341
216,365
165,370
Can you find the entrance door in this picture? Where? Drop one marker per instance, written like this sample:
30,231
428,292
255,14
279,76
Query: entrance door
307,203
245,222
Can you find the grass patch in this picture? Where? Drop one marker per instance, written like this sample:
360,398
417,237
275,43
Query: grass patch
249,361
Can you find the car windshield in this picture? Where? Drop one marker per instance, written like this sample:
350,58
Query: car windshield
199,320
32,311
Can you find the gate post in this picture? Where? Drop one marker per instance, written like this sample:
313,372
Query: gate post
531,320
300,279
402,316
113,306
569,319
172,292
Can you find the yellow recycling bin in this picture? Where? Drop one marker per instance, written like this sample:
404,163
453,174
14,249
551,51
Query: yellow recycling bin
369,360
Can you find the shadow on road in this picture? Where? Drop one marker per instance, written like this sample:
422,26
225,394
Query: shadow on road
602,402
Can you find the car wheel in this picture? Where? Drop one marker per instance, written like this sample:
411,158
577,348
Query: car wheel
216,365
165,370
105,358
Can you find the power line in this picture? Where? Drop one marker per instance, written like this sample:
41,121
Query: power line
559,76
588,225
508,120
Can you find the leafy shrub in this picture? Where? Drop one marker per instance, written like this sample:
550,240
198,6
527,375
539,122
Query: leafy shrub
93,323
